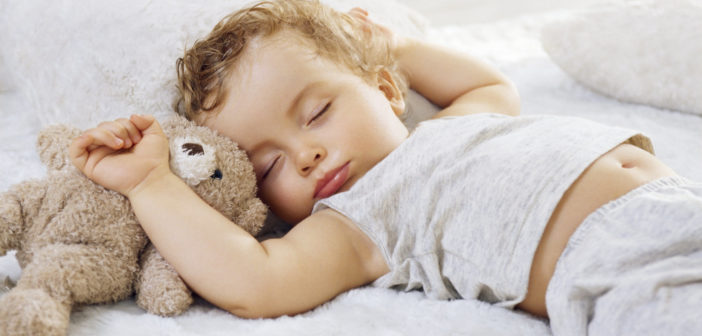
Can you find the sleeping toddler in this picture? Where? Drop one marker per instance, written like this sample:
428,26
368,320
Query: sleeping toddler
560,217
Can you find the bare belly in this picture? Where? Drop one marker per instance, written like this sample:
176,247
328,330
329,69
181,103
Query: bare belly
612,175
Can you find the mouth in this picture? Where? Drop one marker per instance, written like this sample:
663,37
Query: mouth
332,182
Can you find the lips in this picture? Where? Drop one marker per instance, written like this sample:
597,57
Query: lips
332,182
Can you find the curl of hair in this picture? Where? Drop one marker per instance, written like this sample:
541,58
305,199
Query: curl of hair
204,68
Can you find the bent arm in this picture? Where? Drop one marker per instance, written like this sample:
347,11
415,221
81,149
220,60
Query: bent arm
321,257
314,262
457,82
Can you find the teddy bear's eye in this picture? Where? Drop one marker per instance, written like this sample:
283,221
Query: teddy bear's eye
193,149
217,174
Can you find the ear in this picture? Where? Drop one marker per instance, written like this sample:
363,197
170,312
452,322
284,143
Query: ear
387,84
193,160
52,144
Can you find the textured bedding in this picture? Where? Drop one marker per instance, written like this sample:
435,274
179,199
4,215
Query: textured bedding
514,46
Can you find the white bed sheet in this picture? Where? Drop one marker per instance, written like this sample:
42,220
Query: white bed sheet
511,45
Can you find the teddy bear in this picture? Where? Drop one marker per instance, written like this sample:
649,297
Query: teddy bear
79,243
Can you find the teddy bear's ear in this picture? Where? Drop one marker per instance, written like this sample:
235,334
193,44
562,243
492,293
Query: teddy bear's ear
52,144
192,160
175,125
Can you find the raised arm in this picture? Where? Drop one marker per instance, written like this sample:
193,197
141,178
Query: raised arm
320,258
458,82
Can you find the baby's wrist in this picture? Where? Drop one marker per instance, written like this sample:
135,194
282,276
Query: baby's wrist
157,179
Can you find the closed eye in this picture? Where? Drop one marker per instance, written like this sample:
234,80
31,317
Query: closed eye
320,113
270,168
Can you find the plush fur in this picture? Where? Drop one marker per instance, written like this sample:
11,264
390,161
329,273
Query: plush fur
79,243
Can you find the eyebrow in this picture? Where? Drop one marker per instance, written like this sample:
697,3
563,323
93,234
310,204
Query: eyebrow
289,112
298,98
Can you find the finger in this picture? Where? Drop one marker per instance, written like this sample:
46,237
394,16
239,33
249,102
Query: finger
133,133
94,158
359,10
358,14
104,137
363,23
146,124
78,150
119,130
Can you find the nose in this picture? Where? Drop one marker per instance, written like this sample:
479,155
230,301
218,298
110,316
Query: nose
308,158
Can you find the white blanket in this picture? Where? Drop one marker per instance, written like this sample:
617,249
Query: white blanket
511,45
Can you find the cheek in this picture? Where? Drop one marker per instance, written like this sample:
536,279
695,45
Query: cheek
378,133
287,201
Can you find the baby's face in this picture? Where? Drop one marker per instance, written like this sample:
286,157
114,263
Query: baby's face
310,127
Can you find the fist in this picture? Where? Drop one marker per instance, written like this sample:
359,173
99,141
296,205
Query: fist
121,154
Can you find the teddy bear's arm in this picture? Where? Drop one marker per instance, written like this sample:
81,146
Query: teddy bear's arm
10,222
159,289
17,205
52,145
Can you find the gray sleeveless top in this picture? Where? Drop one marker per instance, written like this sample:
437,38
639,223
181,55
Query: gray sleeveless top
458,208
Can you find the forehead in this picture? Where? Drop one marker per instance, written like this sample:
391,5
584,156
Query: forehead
284,46
261,86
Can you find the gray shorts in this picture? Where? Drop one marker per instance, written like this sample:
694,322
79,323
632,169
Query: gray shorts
634,266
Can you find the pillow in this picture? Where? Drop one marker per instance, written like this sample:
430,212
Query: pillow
82,62
646,52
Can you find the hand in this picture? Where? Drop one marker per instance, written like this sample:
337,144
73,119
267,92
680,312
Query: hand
394,40
121,155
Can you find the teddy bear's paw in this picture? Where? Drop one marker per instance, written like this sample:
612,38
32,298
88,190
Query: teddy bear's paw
165,301
32,312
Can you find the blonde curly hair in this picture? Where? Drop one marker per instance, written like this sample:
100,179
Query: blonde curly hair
204,68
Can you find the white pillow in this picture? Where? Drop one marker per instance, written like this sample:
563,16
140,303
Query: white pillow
647,52
81,62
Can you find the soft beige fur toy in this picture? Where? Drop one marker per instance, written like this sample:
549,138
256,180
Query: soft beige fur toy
79,243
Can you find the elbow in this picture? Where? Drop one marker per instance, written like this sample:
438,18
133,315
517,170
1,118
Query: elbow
254,311
268,304
510,97
501,97
248,312
255,304
245,306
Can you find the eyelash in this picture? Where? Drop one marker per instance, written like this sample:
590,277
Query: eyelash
324,110
316,116
270,168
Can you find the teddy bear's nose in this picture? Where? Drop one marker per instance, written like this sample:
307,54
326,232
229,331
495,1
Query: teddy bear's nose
192,149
